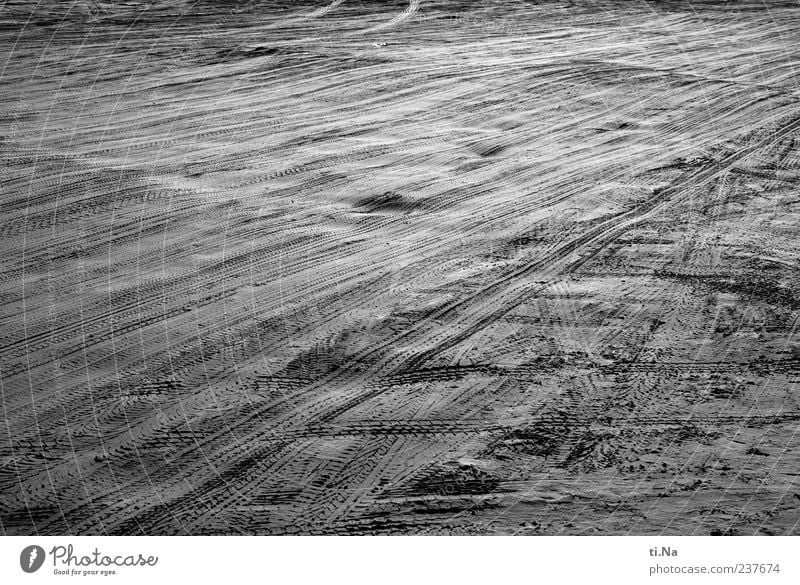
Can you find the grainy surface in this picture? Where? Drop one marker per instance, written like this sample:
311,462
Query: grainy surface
399,267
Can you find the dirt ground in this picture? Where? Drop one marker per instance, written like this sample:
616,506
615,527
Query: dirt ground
426,267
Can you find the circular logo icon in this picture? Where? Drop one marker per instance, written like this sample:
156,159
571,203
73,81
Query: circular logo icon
31,558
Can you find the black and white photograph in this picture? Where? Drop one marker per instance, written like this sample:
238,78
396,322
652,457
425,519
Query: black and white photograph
370,268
